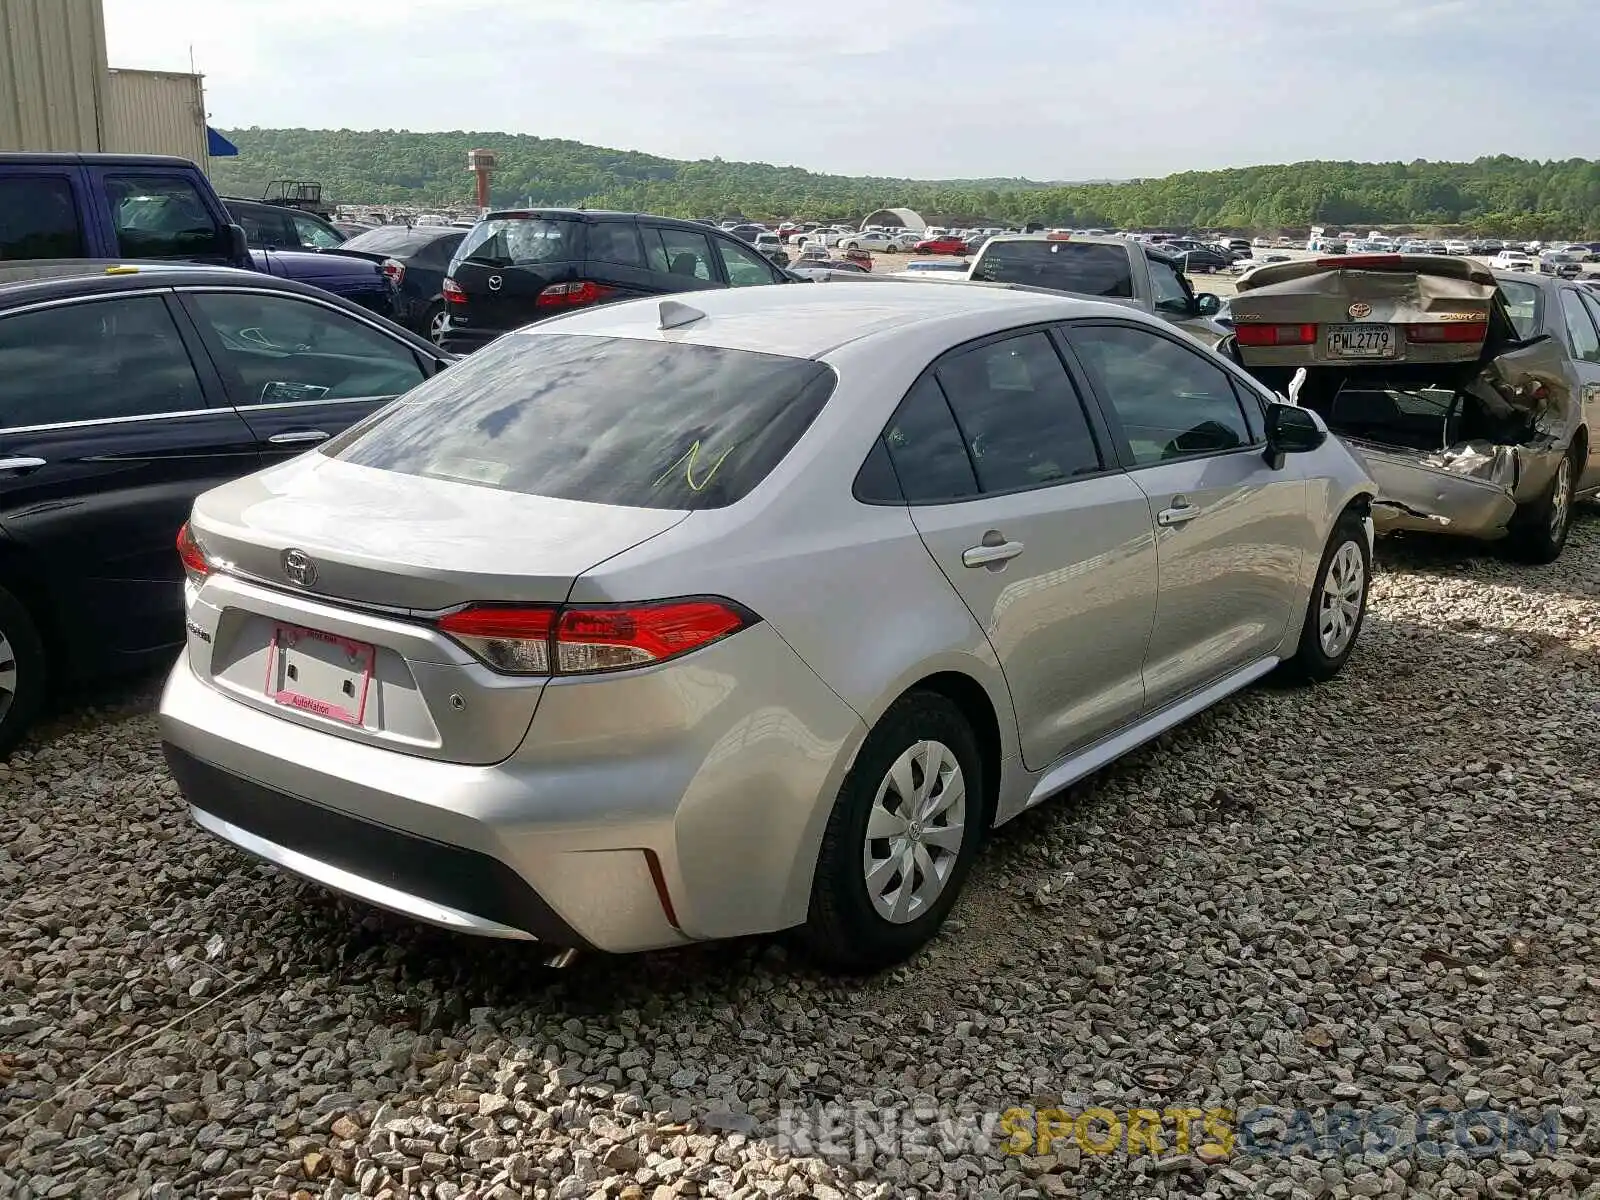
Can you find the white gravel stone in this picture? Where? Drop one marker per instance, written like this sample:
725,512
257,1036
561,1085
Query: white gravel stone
1378,892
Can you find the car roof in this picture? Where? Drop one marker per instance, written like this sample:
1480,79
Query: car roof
95,160
809,321
590,215
29,282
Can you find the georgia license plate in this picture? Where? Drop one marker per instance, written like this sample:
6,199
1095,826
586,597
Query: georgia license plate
1360,341
320,673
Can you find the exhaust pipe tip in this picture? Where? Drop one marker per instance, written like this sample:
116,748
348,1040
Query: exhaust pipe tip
561,959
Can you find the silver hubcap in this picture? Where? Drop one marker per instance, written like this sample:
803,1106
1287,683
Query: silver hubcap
436,327
8,675
914,832
1342,590
1561,501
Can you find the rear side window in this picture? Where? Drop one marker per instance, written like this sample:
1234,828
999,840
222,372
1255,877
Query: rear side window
930,460
38,219
522,241
615,242
161,216
607,420
1019,414
1086,268
93,362
1523,302
265,230
679,252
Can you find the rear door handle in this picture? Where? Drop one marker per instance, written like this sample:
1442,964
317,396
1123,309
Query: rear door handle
982,556
297,437
1177,515
21,464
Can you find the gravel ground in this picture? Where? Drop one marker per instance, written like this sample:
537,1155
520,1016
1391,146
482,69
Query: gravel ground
1382,891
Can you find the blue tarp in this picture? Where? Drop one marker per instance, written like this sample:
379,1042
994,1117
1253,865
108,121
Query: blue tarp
218,146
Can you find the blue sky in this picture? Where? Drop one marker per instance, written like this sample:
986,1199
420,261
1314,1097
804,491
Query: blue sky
1070,89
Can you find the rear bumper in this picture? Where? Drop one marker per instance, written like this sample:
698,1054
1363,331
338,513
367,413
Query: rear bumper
431,881
648,810
465,341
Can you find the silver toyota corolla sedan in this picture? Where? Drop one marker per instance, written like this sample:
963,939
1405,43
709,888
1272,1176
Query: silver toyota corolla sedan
684,619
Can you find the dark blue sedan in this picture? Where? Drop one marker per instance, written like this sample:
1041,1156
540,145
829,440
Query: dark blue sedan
125,392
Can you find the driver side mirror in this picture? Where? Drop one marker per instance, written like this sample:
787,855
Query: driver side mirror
1292,430
1207,305
238,245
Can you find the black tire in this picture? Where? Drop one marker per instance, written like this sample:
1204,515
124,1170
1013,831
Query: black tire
434,312
1311,662
1538,531
843,931
26,657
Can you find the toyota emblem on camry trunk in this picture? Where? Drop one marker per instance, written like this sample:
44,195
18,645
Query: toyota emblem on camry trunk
494,283
1359,310
299,568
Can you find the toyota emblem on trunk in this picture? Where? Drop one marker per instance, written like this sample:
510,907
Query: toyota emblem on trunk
299,568
494,283
1359,310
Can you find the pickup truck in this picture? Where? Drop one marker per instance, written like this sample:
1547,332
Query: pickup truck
1118,270
138,207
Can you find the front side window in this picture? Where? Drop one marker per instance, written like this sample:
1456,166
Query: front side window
314,234
265,230
1585,343
619,421
94,361
161,216
1169,400
38,219
281,349
1019,414
745,269
1169,293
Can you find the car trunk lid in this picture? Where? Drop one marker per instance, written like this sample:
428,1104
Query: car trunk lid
506,262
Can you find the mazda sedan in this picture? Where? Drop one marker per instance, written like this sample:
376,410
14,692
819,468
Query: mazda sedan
671,621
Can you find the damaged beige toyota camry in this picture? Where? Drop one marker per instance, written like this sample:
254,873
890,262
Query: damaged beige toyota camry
1472,397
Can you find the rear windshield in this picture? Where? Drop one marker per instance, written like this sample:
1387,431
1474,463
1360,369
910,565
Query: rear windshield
608,420
1086,268
393,239
1523,303
515,241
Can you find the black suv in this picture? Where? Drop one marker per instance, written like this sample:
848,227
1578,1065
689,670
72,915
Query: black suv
520,266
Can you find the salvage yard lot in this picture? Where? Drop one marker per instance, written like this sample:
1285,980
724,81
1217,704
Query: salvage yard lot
1383,890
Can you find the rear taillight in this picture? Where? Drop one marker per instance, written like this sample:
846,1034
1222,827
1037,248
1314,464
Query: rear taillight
573,295
394,271
452,292
545,640
195,564
1275,335
1448,331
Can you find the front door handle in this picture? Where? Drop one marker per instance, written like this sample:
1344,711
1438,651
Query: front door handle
1178,514
297,437
21,464
984,555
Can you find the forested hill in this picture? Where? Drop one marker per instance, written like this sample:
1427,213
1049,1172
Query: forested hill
1502,195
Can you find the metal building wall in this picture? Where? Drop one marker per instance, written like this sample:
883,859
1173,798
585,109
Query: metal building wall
52,72
155,112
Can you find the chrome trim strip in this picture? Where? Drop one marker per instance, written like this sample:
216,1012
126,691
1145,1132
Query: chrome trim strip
351,884
166,416
1091,759
91,298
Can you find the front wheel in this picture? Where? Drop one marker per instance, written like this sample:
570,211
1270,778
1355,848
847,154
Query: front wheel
904,830
22,671
1338,603
1539,530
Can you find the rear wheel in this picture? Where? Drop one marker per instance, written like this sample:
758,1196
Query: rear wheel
1338,604
433,323
1539,530
22,671
904,831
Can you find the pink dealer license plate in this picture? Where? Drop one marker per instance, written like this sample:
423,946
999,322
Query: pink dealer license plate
320,673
